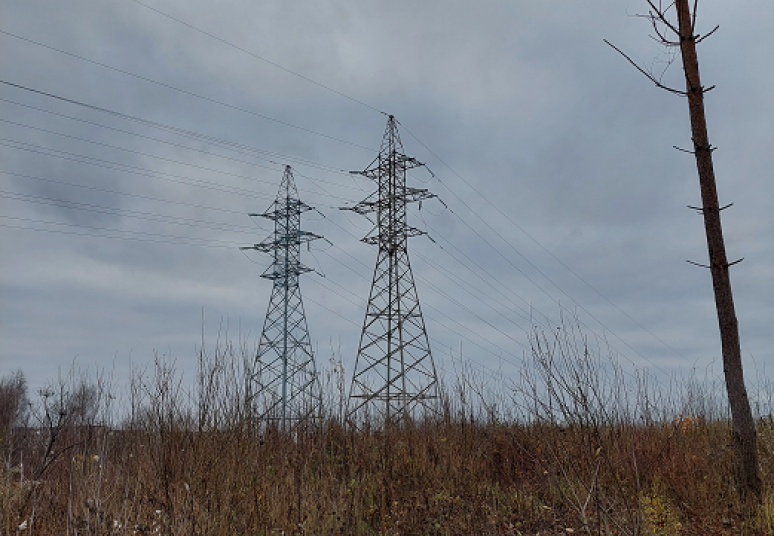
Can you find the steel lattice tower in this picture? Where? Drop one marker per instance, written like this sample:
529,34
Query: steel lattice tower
394,374
284,384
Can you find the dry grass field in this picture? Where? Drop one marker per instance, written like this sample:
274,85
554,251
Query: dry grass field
584,455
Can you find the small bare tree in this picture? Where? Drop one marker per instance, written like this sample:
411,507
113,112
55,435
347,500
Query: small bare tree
14,416
14,404
681,34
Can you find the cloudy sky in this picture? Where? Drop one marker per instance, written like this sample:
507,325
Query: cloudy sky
562,194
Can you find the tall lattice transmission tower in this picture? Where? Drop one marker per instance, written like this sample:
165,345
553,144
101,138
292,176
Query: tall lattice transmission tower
394,375
284,387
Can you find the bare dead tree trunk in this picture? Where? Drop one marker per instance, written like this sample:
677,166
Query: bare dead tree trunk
745,438
748,480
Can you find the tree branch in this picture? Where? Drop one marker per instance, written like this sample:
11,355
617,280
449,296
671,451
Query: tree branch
662,37
684,151
647,74
706,35
660,14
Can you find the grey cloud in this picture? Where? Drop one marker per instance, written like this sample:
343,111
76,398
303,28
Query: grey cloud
521,99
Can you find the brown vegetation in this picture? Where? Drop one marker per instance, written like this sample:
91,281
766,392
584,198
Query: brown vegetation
584,455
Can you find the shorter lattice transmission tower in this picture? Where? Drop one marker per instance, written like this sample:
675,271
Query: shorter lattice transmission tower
284,387
394,374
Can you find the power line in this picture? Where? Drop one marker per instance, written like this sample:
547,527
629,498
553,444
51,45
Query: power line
488,370
190,134
476,315
250,192
492,373
419,278
532,307
183,91
513,265
456,331
162,158
135,170
536,241
173,128
461,283
446,316
496,208
116,192
101,209
441,292
426,147
272,63
177,240
480,269
490,326
455,322
558,303
495,374
476,293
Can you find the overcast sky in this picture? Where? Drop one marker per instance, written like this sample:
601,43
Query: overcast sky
553,155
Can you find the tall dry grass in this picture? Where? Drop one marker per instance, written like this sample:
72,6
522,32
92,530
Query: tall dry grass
573,445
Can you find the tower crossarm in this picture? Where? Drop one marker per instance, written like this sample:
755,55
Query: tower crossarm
283,207
366,206
289,239
382,163
275,273
408,232
373,202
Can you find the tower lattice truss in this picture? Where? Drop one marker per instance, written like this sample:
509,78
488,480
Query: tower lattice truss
394,374
284,385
